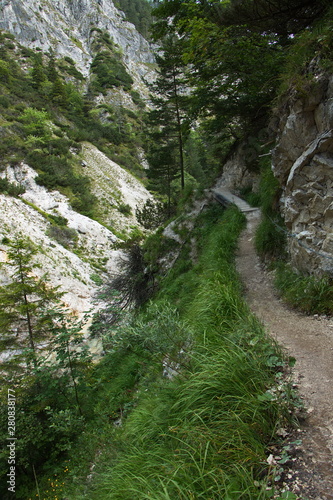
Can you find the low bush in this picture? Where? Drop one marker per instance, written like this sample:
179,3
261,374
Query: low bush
65,236
7,187
151,214
270,239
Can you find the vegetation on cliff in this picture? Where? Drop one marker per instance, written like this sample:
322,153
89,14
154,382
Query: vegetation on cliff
190,395
46,113
188,398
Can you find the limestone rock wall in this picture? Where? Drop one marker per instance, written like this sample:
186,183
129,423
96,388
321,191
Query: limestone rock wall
236,174
303,162
67,26
94,249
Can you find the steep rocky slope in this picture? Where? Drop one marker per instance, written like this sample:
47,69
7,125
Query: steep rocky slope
77,255
68,27
84,248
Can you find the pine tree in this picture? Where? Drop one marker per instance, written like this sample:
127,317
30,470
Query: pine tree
25,315
58,93
168,123
38,73
52,73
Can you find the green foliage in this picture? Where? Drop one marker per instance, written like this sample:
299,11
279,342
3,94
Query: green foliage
25,302
270,238
135,282
221,60
137,99
137,12
168,120
308,46
205,431
97,279
253,198
262,15
152,214
309,294
125,209
109,72
36,123
7,187
5,76
158,334
47,404
56,172
68,66
156,246
37,93
65,236
202,428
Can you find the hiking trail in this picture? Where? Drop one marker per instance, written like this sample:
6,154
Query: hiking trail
309,339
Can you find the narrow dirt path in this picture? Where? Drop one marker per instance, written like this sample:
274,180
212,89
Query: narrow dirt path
310,340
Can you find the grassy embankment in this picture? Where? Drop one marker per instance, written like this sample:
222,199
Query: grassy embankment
206,432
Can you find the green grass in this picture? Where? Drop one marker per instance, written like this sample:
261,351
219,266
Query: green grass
309,294
203,434
270,237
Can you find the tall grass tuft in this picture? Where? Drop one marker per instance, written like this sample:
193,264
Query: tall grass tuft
270,238
309,294
204,433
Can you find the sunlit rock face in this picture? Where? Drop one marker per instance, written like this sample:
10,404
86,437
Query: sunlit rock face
68,28
303,163
69,263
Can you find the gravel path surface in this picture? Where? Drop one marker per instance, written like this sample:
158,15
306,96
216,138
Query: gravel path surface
310,340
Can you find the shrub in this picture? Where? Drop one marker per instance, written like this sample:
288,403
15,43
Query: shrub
10,188
135,282
136,98
270,239
96,279
109,72
125,209
152,214
65,236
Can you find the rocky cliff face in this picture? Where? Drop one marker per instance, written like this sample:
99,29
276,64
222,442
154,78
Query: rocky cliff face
303,162
68,26
77,257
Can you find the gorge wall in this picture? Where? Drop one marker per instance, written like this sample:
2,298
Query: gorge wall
68,28
303,163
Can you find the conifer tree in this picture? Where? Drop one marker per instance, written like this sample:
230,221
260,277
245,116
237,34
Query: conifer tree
58,93
168,122
38,73
25,315
52,73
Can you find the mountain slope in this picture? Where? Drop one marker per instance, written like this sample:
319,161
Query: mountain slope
53,103
67,27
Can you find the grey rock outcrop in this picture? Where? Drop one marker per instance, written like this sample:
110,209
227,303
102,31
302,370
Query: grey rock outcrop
68,26
236,174
303,162
70,266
